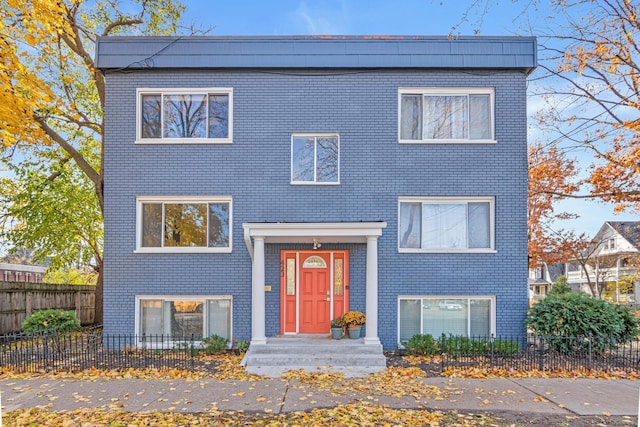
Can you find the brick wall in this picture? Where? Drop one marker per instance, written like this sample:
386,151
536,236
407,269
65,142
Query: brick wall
374,171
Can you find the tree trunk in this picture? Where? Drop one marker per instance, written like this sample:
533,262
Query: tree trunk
99,298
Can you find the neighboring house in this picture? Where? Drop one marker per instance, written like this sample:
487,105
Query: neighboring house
542,278
612,260
21,273
260,186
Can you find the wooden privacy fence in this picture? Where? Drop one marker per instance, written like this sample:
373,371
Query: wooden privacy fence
19,300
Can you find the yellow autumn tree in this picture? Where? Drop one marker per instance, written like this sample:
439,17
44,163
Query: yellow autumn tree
52,99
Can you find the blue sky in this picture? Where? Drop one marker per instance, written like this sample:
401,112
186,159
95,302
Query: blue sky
387,17
349,17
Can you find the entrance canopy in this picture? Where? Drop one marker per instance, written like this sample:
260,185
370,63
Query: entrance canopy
310,232
313,233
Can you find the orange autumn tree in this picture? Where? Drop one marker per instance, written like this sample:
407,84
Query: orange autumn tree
51,104
588,77
551,176
593,65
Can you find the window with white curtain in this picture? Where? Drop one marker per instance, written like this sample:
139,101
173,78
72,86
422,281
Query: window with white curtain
459,316
433,224
446,115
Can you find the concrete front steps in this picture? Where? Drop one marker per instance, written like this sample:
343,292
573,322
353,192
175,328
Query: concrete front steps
314,353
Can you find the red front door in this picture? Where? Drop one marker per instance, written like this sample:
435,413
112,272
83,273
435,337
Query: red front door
314,289
315,294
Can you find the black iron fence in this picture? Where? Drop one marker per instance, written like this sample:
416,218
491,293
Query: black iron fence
544,353
49,351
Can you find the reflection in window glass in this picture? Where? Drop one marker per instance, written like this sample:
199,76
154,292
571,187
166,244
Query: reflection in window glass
445,117
152,225
303,159
218,116
218,225
315,159
449,316
186,225
184,116
410,225
151,113
411,117
185,319
462,114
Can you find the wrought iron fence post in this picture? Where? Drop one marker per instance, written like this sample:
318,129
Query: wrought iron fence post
192,352
493,345
443,352
590,339
541,355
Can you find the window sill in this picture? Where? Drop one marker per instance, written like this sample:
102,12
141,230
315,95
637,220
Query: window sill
448,141
313,183
446,251
183,141
189,250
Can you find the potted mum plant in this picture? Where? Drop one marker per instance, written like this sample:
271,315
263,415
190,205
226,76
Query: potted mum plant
337,328
354,321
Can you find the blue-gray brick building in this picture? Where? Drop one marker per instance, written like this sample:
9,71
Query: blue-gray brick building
261,186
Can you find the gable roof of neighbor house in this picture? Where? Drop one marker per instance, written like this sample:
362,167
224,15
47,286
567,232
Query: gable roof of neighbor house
376,52
630,230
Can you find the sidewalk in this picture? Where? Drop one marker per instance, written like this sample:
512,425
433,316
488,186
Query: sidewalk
556,396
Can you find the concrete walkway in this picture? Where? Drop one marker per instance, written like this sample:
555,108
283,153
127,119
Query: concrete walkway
536,396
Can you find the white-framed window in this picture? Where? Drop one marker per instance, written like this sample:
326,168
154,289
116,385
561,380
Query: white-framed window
315,158
184,224
203,115
446,115
166,319
446,224
470,316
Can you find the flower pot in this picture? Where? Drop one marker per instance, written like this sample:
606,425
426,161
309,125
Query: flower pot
336,333
354,332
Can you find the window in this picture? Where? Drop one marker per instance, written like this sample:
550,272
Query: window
459,316
181,318
315,159
185,116
446,115
178,224
449,224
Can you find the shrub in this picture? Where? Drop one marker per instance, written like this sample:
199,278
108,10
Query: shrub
422,345
62,321
578,315
560,287
242,346
214,344
478,346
